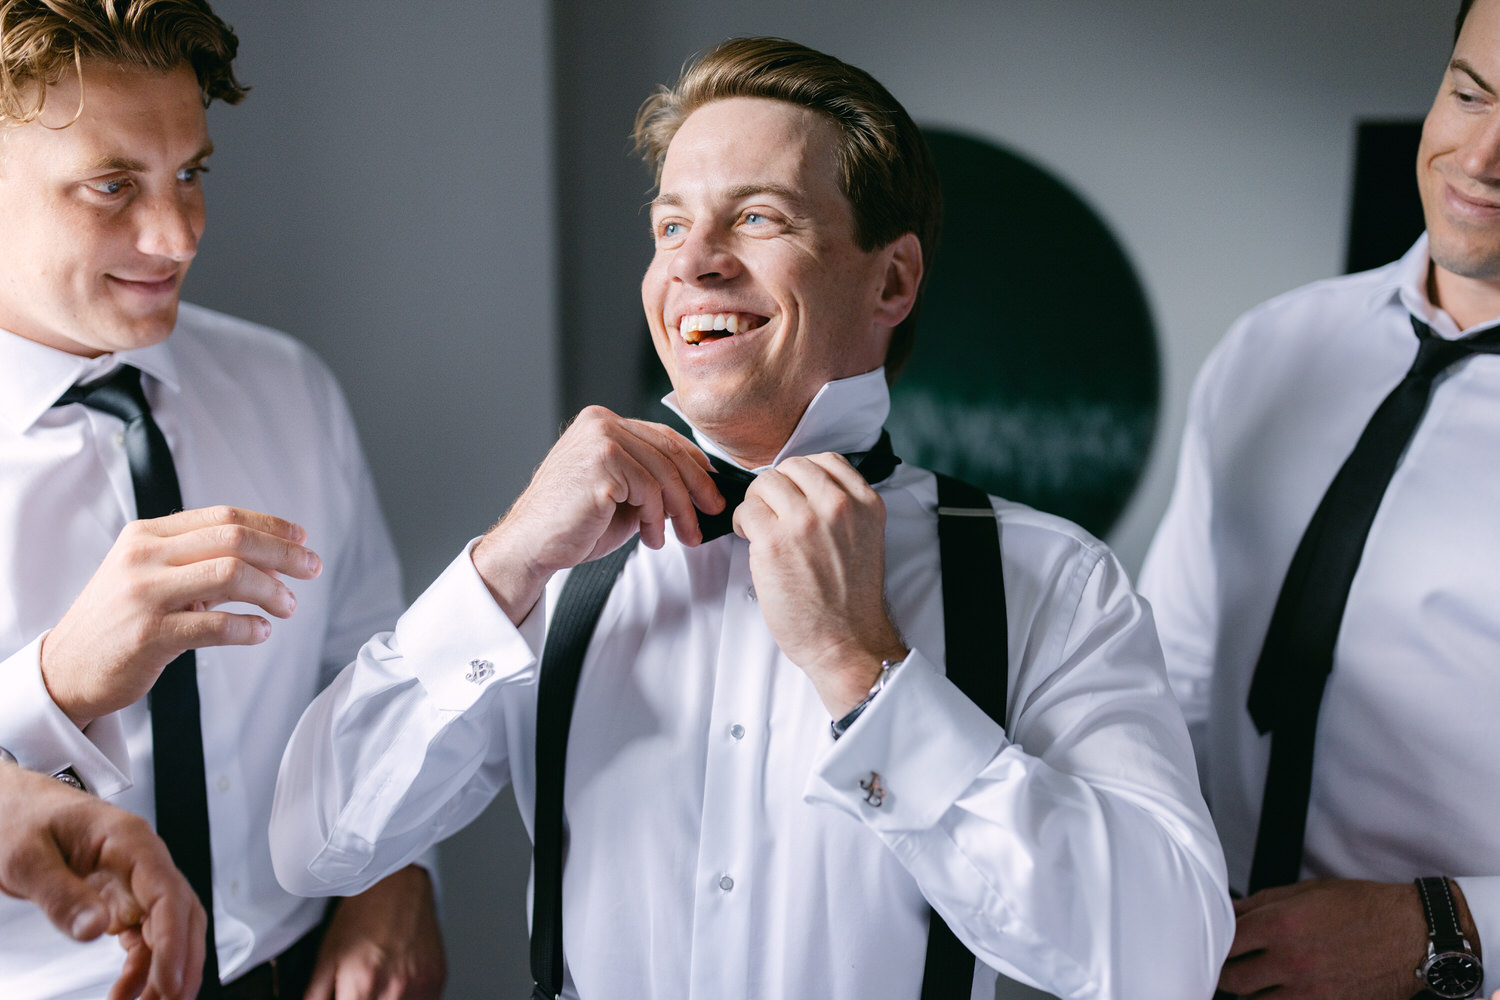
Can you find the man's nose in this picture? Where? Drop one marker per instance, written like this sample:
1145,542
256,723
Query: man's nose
170,226
1480,155
705,255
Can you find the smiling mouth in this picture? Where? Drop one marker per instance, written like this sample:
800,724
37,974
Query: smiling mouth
700,327
148,284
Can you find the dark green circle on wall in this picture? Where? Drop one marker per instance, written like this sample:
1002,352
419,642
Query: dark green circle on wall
1035,373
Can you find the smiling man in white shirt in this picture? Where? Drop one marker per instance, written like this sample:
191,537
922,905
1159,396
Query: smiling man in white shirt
723,839
102,152
1405,756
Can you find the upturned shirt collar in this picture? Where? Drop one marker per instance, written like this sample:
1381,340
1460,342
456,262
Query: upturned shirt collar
33,375
1406,282
845,416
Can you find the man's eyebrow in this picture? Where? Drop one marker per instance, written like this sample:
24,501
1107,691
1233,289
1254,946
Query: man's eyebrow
125,163
1463,66
737,193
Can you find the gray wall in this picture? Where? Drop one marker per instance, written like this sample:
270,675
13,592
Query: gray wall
439,198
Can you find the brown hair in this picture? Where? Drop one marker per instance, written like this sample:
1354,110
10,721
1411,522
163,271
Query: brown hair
885,168
41,40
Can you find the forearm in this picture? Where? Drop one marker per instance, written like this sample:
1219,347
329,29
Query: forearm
404,747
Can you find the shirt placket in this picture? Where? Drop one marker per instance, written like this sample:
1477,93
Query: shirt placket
728,862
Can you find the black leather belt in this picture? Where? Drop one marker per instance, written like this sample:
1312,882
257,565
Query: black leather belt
284,977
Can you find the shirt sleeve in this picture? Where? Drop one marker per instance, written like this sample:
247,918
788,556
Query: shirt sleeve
43,738
1179,576
401,750
1482,896
1077,855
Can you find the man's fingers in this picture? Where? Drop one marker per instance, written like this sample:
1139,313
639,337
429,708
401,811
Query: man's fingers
266,551
198,518
72,905
134,977
1248,975
320,986
201,629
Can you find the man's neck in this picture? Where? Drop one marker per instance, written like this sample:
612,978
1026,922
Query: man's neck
1470,301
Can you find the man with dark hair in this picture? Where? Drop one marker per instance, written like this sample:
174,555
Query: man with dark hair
775,784
138,442
1325,585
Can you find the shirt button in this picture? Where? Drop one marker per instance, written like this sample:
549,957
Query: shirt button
726,883
750,593
223,783
737,731
119,439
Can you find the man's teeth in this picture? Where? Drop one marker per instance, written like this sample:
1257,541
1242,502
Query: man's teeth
692,328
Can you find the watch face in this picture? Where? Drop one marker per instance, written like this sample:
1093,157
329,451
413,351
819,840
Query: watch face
1454,975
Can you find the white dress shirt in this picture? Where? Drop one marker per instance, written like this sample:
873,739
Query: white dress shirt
254,420
721,846
1407,761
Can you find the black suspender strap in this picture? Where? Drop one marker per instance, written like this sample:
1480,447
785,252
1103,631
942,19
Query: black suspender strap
974,625
975,633
568,635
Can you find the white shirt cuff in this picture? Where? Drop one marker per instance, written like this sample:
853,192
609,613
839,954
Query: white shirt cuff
910,755
459,641
43,738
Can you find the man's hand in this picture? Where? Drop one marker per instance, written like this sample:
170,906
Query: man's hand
817,557
95,869
1331,938
606,478
153,598
383,944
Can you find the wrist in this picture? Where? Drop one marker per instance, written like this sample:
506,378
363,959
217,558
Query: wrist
57,691
513,580
841,725
857,671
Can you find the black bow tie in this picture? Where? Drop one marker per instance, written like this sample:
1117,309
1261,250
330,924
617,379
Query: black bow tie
875,465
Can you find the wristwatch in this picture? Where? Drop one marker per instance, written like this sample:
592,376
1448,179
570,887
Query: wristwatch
1451,970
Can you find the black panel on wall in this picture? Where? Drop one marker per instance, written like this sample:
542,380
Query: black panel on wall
1385,213
1035,373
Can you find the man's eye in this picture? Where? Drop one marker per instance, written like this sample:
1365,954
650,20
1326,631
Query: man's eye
113,185
670,230
189,175
754,217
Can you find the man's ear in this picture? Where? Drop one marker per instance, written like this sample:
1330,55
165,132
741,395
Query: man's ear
903,276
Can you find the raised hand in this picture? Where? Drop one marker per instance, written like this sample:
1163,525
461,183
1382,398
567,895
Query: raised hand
605,479
817,557
155,596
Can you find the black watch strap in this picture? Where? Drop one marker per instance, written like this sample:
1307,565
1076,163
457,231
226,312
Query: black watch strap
1441,913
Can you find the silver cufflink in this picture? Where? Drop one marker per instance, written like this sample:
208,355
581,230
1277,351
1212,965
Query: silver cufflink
479,671
875,791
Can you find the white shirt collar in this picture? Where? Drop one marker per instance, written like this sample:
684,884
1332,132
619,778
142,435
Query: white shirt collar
1406,282
845,416
33,375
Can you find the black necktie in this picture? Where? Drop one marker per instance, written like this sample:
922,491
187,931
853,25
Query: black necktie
875,464
1297,657
176,729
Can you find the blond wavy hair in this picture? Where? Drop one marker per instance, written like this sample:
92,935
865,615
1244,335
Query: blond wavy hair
42,40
